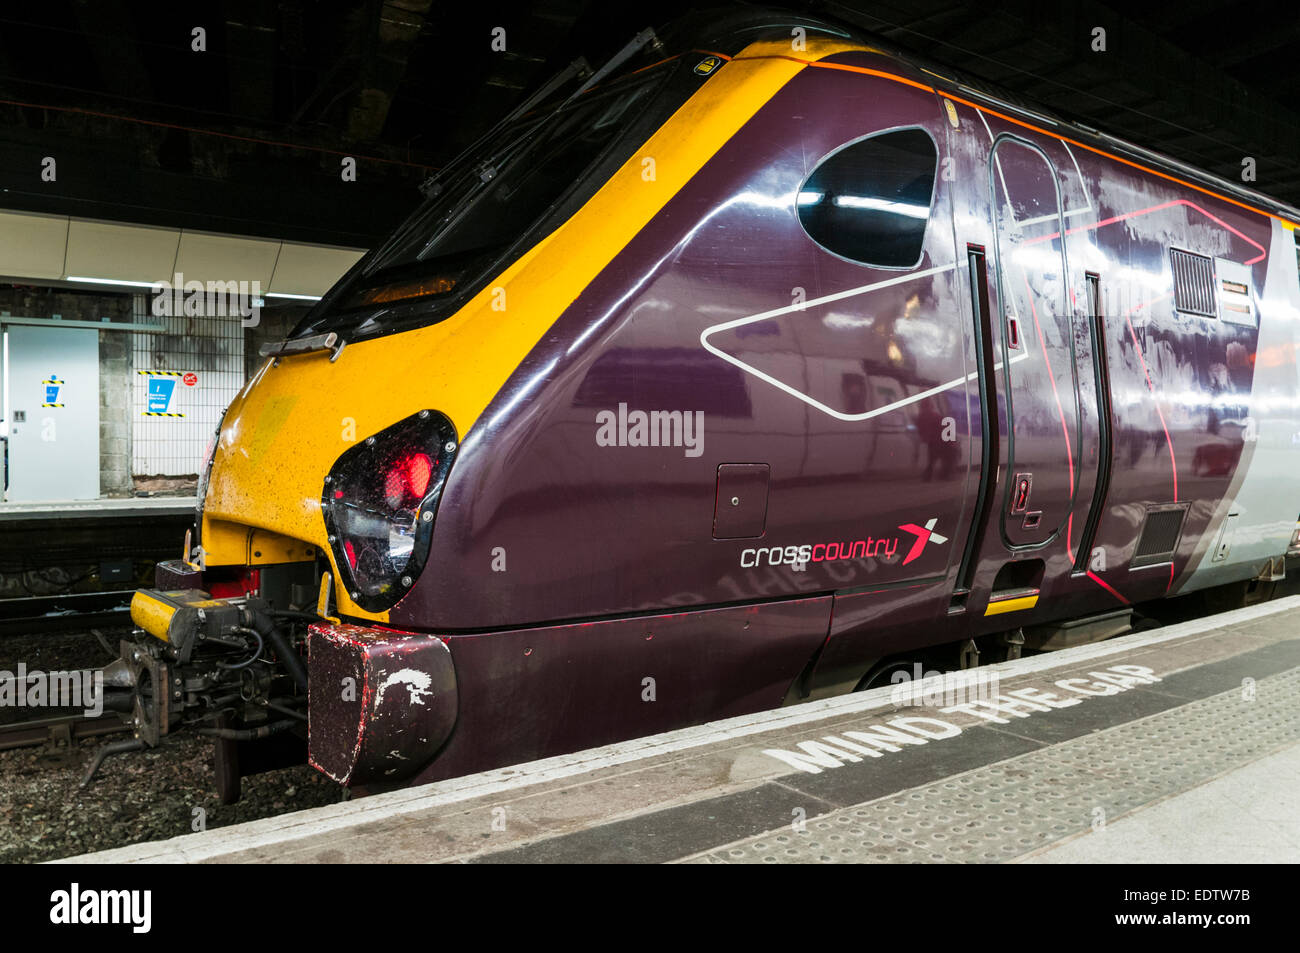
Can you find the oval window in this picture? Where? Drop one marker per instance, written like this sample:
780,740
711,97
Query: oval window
869,202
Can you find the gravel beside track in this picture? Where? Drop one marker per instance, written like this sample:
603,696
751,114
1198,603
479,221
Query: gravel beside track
139,796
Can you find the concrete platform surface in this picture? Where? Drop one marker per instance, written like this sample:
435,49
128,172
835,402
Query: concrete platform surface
1099,753
1250,815
97,509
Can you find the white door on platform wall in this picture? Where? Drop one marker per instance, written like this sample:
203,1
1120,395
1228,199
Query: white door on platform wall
52,413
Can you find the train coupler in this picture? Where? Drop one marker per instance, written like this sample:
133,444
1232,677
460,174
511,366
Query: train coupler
227,667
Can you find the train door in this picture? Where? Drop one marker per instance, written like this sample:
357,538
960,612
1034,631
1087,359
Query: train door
1037,357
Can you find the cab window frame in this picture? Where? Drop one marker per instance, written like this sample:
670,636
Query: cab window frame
852,143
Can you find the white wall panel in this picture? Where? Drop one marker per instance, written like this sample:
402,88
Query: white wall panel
53,247
310,269
207,257
172,430
32,246
121,252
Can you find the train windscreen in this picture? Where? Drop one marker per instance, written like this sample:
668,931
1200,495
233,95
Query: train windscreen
495,203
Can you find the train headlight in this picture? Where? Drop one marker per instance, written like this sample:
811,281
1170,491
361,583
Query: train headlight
379,503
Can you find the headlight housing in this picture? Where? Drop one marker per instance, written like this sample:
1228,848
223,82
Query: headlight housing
379,503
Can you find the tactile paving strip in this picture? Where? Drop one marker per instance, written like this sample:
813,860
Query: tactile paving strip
1005,810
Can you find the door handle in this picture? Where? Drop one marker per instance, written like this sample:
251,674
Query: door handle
1020,492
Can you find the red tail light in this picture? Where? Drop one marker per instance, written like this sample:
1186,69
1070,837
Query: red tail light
379,502
418,471
408,478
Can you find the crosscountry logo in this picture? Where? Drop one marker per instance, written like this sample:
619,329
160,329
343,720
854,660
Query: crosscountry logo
924,534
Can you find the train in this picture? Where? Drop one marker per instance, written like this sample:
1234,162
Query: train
732,375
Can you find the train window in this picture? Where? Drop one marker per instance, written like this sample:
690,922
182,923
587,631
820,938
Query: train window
1032,195
869,202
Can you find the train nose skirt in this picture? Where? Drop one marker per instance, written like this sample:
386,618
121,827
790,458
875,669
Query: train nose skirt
1104,752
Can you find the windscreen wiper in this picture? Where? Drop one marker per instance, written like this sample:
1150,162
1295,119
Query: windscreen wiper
431,186
633,46
487,170
493,164
578,68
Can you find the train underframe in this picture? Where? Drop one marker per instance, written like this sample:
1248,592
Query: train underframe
252,659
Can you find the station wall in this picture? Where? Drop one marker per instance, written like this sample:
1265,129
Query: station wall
114,361
140,450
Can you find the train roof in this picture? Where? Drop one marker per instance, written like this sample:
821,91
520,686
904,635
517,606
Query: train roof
730,30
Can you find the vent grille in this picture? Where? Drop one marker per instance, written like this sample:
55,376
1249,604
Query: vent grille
1159,537
1193,283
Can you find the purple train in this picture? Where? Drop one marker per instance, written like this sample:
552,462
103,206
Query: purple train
725,383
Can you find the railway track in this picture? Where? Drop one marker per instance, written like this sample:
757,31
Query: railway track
65,612
59,730
72,654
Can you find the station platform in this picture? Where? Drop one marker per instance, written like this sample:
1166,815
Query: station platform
1180,744
66,564
107,509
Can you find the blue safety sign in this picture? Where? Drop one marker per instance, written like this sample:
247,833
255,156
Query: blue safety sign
52,387
160,394
162,390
